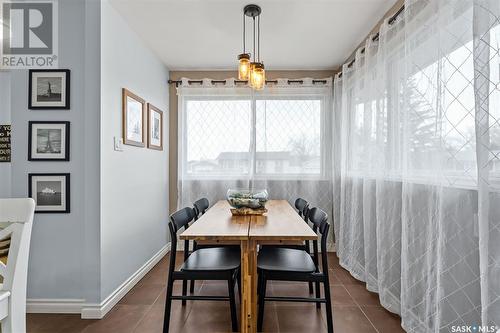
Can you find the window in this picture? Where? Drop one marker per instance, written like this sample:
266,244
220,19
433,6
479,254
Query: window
288,136
264,137
218,134
420,122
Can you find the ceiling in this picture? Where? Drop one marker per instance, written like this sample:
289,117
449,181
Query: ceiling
295,34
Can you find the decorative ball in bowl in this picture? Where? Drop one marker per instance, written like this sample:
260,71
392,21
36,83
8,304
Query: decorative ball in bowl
247,202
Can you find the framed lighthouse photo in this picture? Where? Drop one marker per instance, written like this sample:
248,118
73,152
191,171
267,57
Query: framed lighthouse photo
48,140
133,119
49,89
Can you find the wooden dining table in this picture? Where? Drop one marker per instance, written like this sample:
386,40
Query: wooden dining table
280,225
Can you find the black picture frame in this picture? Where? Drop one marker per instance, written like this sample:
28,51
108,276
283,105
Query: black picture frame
67,192
67,142
66,73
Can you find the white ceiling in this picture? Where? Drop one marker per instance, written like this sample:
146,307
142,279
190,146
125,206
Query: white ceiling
295,34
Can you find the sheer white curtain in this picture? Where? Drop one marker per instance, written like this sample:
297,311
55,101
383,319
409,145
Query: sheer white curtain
417,167
276,139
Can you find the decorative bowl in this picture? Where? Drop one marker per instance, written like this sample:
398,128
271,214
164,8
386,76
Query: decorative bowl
247,198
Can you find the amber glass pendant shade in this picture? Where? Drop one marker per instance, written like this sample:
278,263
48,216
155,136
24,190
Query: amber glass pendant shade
244,67
250,75
258,76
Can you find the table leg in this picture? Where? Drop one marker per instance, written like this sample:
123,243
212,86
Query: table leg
249,286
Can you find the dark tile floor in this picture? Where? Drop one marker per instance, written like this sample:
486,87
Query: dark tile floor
141,310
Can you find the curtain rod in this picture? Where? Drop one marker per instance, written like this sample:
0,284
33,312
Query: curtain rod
177,82
377,35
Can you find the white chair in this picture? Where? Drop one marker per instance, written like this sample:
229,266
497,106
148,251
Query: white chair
16,220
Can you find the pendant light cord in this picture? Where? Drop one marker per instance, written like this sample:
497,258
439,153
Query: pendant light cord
258,39
254,39
244,35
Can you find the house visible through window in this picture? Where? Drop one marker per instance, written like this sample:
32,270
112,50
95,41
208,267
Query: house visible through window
240,137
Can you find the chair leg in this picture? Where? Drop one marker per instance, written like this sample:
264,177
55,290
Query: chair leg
329,312
184,291
318,295
232,304
168,305
191,287
311,291
238,281
262,296
259,282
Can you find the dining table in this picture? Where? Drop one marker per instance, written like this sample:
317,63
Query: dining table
281,224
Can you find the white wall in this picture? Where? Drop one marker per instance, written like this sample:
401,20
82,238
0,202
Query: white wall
134,183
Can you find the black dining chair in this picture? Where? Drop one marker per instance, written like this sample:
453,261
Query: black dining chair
282,264
216,263
200,206
302,207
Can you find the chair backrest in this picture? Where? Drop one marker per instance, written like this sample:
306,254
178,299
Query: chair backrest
178,220
302,206
16,220
319,219
200,207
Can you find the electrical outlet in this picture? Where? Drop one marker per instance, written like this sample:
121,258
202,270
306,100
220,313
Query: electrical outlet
118,144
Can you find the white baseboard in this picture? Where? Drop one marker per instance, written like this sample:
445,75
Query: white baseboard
99,310
95,311
52,305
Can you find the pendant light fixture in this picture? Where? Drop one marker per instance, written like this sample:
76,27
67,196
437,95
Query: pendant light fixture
252,71
244,58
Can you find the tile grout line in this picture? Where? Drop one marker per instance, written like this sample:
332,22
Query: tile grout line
373,325
151,305
361,309
191,307
144,315
275,309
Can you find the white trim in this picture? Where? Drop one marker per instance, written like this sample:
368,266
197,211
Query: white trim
99,310
95,310
54,305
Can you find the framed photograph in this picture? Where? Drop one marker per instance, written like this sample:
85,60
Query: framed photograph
155,127
51,192
134,116
49,89
48,141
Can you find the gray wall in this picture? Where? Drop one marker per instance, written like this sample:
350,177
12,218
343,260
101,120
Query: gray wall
56,268
134,183
92,200
119,200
